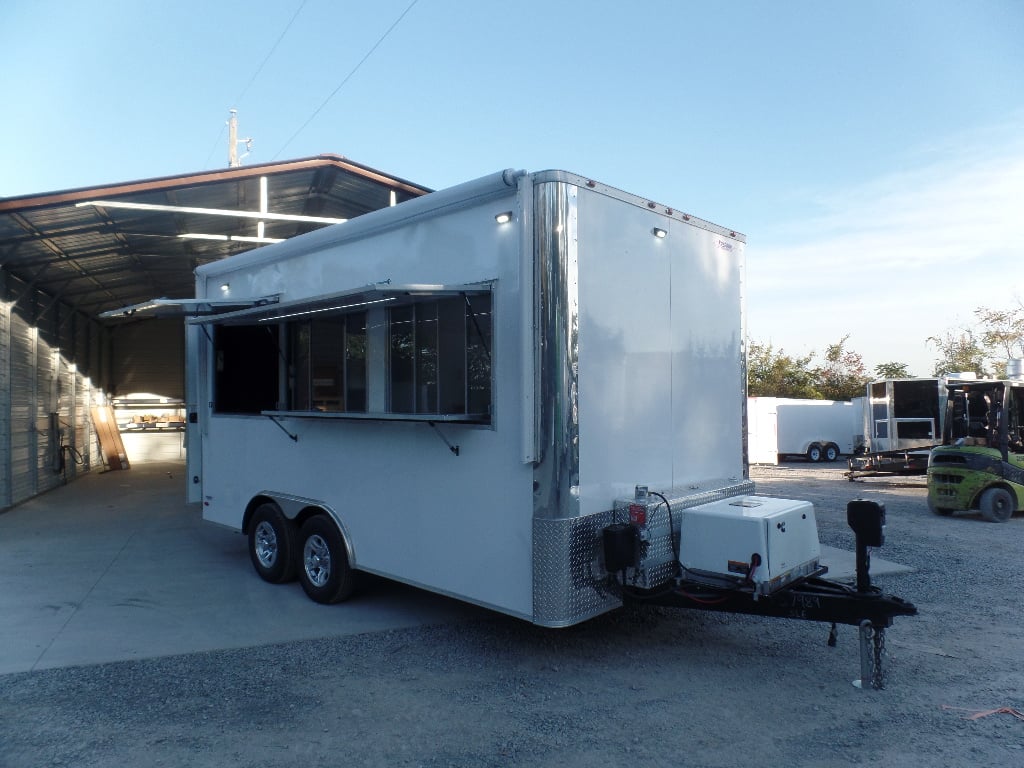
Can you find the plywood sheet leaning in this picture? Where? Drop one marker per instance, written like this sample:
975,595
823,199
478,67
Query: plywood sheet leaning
111,446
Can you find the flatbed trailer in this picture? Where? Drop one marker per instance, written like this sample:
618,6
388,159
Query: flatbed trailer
907,461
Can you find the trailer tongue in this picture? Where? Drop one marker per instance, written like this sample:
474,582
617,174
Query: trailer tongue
750,554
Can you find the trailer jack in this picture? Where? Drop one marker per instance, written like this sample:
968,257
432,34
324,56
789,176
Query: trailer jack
813,599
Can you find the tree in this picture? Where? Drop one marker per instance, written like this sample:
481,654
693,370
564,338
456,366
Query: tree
998,337
1002,333
772,373
892,370
961,351
843,376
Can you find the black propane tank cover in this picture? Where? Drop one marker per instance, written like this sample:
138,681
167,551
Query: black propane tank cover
867,519
620,540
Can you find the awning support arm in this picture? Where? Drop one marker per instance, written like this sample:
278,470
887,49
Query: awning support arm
295,438
453,448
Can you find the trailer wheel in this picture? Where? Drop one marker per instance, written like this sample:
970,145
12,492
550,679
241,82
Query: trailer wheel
324,571
271,544
831,452
814,453
996,505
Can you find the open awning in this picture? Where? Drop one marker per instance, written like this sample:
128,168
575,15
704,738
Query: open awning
165,307
356,298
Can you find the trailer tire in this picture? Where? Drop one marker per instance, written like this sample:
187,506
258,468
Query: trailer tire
831,452
814,453
324,570
996,505
272,544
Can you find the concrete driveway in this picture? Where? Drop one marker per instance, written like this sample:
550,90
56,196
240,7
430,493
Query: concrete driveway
116,566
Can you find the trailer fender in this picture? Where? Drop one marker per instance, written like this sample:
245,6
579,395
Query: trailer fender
324,569
299,509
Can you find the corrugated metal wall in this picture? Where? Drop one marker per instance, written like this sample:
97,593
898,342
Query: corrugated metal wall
5,406
46,391
55,364
23,434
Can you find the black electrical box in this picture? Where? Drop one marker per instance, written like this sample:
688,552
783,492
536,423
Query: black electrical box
620,544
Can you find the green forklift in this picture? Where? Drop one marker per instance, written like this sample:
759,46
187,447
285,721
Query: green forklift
979,466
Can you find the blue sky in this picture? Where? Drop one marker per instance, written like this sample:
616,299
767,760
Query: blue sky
872,152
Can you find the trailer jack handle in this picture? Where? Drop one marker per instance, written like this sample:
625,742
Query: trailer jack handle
867,519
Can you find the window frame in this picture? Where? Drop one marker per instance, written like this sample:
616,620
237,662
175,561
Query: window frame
375,301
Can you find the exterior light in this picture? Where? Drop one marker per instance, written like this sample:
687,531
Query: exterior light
225,287
659,233
504,218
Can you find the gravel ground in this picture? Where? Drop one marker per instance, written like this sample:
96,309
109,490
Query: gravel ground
648,687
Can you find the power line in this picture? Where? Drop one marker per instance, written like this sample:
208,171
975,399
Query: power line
259,69
347,78
256,74
216,144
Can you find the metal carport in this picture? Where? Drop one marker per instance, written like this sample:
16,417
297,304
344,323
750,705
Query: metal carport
68,256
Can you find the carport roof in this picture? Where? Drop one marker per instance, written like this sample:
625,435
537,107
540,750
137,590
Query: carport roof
100,248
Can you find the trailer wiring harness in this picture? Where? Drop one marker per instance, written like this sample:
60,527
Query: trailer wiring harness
674,540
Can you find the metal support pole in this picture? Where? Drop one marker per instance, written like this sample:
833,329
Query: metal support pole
864,634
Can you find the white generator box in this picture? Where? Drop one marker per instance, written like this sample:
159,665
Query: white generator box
767,541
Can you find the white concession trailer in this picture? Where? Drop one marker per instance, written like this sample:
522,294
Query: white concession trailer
526,392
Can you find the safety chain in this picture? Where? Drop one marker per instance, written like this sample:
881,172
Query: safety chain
872,656
880,676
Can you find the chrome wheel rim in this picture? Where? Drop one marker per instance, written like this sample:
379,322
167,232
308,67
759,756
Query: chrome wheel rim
265,544
316,559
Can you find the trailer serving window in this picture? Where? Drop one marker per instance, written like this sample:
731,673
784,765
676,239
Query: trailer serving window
327,363
409,352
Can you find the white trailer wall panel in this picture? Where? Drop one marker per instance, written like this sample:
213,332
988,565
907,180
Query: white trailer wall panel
662,331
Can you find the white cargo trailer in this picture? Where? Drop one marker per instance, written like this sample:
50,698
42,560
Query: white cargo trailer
472,391
784,427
